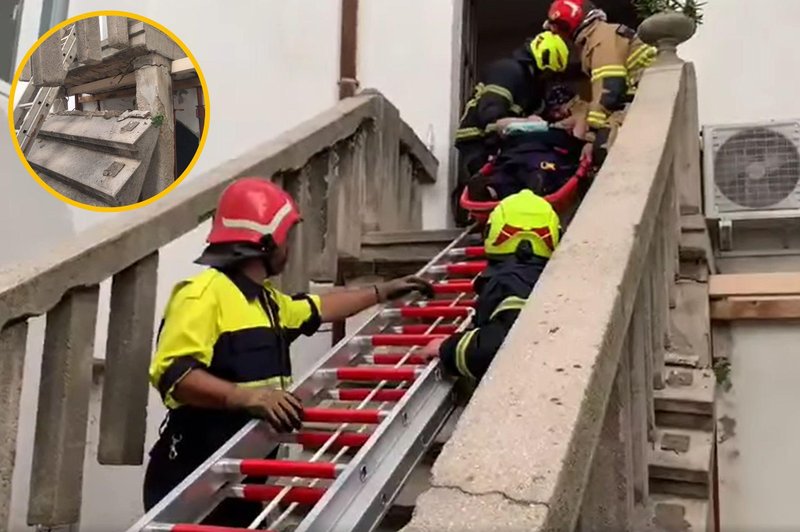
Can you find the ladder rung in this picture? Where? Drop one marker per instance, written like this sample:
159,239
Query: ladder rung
258,492
342,415
467,303
316,439
424,329
470,251
460,268
376,373
453,287
393,358
407,340
359,394
25,105
280,468
428,312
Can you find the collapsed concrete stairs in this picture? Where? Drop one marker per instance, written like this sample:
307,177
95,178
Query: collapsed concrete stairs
682,458
95,158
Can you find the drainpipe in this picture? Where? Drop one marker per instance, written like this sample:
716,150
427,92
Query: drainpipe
348,51
348,84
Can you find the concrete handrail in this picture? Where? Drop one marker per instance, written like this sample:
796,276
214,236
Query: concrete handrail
556,436
358,157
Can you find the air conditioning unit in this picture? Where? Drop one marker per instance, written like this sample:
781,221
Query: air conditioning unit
752,171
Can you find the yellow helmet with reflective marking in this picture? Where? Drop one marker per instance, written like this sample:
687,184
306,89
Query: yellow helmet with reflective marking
550,52
522,217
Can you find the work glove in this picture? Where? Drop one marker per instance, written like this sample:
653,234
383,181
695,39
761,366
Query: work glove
397,288
281,409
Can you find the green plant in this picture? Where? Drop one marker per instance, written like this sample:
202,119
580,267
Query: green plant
158,120
691,8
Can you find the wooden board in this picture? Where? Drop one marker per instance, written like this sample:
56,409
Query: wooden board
754,284
756,309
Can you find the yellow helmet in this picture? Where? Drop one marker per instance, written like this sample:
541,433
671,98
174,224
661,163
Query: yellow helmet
522,217
550,52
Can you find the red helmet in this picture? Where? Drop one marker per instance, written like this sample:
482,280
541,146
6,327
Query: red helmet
566,16
250,209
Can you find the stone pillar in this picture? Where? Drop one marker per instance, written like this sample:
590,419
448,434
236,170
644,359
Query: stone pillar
665,31
154,94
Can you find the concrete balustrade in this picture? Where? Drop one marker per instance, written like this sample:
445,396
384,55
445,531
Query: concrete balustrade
352,169
558,434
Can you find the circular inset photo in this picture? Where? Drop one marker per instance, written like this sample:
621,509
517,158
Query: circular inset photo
110,111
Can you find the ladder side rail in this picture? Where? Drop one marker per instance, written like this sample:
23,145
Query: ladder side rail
201,491
371,476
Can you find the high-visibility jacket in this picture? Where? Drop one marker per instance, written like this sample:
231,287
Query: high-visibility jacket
503,290
509,89
614,58
235,329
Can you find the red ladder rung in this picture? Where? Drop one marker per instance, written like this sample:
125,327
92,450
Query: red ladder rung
399,340
342,415
434,312
391,359
316,439
461,268
469,251
467,303
377,373
425,329
359,394
298,494
453,287
288,468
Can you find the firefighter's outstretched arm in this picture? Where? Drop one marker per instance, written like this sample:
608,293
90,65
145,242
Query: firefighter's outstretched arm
342,304
469,354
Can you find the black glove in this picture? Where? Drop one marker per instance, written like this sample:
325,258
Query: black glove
281,409
397,288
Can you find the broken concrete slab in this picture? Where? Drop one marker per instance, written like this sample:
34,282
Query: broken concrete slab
678,514
87,35
84,169
103,129
117,32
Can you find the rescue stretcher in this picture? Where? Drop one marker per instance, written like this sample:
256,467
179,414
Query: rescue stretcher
561,200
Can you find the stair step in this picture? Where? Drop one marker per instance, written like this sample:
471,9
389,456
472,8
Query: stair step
125,132
681,462
677,514
686,391
83,169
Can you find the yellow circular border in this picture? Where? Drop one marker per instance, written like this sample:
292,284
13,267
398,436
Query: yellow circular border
109,13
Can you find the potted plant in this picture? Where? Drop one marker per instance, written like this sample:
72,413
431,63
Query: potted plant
667,23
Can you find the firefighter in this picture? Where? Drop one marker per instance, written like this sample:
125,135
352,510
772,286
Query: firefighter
222,356
613,58
520,237
512,87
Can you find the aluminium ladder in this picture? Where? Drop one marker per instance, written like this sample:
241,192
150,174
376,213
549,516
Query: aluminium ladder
39,106
370,399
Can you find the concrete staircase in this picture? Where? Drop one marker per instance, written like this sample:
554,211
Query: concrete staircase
95,158
682,458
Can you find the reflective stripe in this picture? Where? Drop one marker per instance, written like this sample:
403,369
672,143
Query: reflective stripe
500,91
264,229
461,354
509,303
642,56
468,133
597,119
273,382
609,71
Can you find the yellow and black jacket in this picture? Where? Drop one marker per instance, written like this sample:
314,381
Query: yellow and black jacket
235,329
503,290
510,88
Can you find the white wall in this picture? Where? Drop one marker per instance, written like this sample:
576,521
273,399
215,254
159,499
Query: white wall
409,50
746,61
